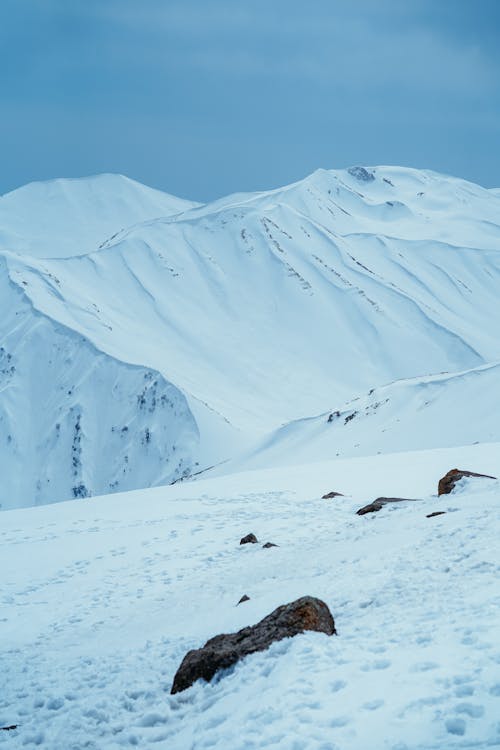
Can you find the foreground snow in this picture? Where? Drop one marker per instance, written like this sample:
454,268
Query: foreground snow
101,598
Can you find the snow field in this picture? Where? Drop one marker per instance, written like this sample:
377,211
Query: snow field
101,598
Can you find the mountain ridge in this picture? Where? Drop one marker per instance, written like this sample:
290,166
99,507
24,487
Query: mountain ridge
260,309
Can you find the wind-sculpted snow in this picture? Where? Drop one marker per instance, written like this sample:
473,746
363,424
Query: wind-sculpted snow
432,412
265,308
75,422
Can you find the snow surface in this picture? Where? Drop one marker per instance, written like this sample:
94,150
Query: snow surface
101,598
430,412
258,309
65,217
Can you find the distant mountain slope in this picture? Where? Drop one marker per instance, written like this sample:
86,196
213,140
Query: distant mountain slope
267,306
75,422
438,411
65,217
263,308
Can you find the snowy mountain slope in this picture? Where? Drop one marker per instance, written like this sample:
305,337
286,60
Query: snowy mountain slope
265,306
262,308
65,217
102,599
430,412
74,421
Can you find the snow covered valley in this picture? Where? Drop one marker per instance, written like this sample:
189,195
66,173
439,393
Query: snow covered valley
175,376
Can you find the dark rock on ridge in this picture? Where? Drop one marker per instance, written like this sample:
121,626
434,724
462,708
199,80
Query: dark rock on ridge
361,174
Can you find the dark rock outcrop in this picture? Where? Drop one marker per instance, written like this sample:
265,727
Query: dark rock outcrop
244,598
268,545
225,650
249,539
331,494
379,503
361,174
448,482
436,513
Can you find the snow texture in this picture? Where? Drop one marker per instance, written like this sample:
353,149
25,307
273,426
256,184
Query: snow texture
115,590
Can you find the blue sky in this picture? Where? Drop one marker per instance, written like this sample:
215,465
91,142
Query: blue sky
204,97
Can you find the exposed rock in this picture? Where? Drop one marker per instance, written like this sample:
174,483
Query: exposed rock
249,539
436,513
379,503
267,545
332,494
361,174
244,598
9,728
448,482
225,650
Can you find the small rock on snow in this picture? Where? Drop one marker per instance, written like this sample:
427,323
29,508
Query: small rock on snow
249,539
379,503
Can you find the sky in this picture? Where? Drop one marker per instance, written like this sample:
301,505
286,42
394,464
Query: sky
202,98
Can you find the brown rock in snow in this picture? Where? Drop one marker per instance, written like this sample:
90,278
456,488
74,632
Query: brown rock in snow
225,650
379,503
249,539
448,482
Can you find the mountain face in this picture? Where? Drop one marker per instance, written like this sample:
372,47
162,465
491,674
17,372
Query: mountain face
66,217
246,313
75,421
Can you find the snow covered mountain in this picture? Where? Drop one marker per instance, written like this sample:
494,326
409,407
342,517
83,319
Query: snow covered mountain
65,217
251,311
73,420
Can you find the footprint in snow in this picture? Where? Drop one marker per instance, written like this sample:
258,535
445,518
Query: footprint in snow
455,726
377,664
373,705
474,711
